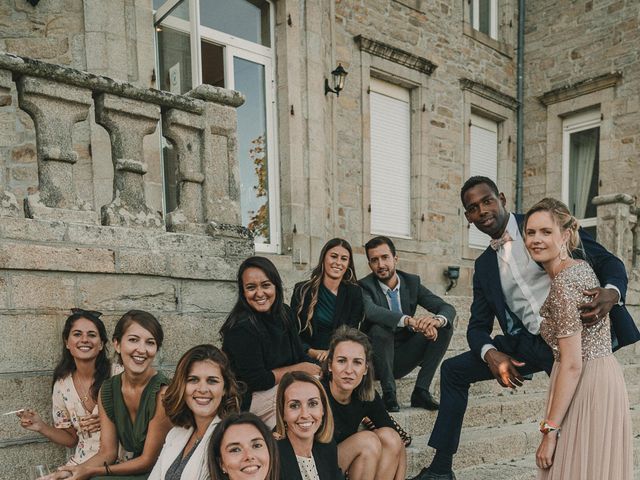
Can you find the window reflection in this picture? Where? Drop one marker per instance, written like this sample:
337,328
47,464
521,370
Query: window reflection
246,19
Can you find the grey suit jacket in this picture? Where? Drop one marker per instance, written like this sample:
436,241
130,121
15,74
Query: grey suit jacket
412,294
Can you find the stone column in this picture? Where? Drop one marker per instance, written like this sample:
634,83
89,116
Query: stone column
616,222
55,108
186,131
8,204
128,122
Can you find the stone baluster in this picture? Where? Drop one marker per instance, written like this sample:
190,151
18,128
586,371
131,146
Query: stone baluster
128,121
616,222
8,204
186,132
221,185
55,108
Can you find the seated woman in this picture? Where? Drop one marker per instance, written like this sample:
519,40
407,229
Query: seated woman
130,405
305,423
330,298
202,391
348,380
243,448
83,367
260,339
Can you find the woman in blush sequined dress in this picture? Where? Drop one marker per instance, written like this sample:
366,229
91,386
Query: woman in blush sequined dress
587,429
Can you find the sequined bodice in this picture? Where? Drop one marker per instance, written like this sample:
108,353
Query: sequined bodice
561,317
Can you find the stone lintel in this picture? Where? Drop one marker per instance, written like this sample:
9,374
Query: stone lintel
489,93
580,88
395,55
223,96
97,83
623,198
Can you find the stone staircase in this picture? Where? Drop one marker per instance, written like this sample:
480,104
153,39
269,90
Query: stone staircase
500,431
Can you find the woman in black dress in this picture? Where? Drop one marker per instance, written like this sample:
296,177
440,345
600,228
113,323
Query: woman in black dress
330,298
260,338
348,381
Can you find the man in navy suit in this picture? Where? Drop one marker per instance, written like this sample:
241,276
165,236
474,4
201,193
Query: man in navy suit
508,286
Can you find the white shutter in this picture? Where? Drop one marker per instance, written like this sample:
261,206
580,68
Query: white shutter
390,159
483,161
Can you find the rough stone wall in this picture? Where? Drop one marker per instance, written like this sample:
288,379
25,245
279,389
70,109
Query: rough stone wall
324,186
576,41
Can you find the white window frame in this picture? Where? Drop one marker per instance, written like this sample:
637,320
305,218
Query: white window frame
253,52
402,94
493,17
570,125
477,239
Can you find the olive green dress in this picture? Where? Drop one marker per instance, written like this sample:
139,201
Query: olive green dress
131,435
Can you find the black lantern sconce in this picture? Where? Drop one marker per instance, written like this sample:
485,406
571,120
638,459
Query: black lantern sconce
33,2
338,76
452,273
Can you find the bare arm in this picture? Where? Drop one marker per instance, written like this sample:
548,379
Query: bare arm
30,420
307,367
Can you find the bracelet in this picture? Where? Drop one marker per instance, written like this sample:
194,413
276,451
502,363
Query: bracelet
547,426
107,470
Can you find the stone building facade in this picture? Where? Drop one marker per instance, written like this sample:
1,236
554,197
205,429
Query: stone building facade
77,231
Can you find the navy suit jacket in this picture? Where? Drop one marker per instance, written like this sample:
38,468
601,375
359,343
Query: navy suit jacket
489,302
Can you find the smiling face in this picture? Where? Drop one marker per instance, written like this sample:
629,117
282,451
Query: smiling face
486,210
258,290
243,453
543,238
204,389
336,262
84,341
137,348
348,366
382,262
303,410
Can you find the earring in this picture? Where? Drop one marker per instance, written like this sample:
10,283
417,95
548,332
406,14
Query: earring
563,252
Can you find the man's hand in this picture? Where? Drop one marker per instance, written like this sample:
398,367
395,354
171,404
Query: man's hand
603,301
428,326
504,369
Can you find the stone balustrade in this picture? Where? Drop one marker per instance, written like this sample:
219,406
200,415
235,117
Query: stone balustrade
617,226
201,126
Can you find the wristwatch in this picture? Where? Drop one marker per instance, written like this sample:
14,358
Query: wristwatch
546,427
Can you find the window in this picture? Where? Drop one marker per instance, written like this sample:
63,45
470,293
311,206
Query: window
580,166
390,159
483,153
484,17
228,43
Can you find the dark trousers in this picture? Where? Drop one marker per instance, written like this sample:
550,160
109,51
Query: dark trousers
458,373
395,354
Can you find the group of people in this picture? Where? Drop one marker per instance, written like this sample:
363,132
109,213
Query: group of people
291,394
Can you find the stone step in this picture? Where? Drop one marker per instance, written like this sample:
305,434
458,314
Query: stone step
524,468
481,446
490,411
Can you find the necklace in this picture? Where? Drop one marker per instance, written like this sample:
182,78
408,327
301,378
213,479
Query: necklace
83,393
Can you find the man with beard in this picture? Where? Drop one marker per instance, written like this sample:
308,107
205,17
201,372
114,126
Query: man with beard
509,286
400,340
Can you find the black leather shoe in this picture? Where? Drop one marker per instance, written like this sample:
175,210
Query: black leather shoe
390,402
423,399
425,474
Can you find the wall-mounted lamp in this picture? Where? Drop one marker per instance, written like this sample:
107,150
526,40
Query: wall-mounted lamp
452,273
338,76
33,2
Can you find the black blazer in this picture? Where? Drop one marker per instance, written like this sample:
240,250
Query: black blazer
489,301
324,454
349,309
412,294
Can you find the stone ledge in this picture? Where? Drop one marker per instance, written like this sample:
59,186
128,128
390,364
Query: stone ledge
489,93
395,55
624,198
580,88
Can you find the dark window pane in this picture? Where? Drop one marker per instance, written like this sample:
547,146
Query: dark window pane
212,64
583,172
484,16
